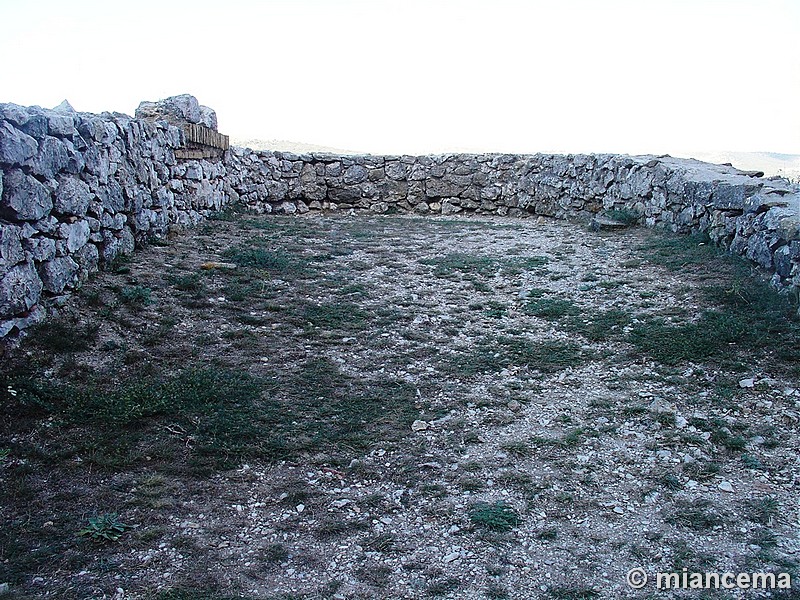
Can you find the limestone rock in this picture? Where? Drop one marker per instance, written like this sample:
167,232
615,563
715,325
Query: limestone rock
448,208
41,248
24,198
396,170
51,158
355,174
76,234
61,125
11,252
16,147
72,196
65,107
58,273
175,109
208,117
20,290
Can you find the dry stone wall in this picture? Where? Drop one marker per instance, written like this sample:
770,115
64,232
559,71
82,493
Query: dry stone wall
77,190
753,216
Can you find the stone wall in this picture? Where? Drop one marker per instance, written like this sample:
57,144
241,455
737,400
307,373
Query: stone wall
77,190
753,216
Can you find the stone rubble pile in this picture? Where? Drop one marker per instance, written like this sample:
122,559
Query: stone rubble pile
80,189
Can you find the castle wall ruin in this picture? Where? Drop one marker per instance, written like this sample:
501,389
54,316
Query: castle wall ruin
77,190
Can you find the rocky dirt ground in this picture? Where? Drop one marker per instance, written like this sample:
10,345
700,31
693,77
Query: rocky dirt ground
396,407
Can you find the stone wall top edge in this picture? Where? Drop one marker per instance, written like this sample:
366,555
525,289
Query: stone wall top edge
692,169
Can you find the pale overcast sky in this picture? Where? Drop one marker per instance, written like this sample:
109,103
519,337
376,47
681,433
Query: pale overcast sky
633,76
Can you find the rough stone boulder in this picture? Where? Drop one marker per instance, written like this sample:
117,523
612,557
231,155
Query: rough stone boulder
177,110
20,290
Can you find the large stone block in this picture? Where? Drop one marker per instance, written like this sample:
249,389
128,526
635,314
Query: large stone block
76,234
20,290
72,196
355,174
41,248
732,196
782,260
758,250
11,252
24,198
16,147
35,126
62,125
58,274
175,109
396,170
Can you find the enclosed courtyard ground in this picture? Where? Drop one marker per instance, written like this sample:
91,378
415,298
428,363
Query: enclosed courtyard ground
337,406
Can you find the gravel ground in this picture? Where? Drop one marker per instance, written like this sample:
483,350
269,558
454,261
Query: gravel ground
539,443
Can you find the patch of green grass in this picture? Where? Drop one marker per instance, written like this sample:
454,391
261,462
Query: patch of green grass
722,433
537,292
495,310
625,216
335,316
517,448
611,285
213,409
711,336
748,316
190,282
483,266
491,355
441,587
699,514
61,335
573,437
752,462
336,410
600,325
761,510
551,308
458,262
676,252
498,516
277,262
135,296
